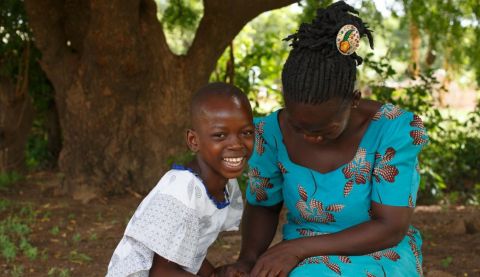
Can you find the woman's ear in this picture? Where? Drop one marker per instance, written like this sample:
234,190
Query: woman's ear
357,95
192,140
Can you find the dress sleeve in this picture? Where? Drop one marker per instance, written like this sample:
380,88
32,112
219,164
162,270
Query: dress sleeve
168,224
131,258
396,175
265,179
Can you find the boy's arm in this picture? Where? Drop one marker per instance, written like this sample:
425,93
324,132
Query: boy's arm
164,267
206,269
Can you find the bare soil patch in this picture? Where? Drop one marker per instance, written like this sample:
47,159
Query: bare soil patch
74,239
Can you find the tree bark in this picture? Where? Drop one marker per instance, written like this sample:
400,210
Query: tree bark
16,117
431,56
230,66
121,94
415,43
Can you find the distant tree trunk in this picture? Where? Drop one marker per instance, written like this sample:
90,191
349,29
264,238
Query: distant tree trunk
430,56
415,43
16,116
121,94
445,82
230,68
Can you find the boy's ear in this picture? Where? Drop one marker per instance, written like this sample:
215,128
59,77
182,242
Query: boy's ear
192,140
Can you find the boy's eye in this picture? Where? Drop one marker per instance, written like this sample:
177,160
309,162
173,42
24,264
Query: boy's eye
248,133
218,135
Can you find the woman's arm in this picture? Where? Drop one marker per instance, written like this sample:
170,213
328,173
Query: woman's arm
163,267
259,225
387,228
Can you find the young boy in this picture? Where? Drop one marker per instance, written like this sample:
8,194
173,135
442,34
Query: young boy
171,230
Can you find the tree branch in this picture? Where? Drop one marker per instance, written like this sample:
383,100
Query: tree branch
152,31
120,28
222,21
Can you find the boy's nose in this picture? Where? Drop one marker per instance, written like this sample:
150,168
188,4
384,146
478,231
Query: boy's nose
235,143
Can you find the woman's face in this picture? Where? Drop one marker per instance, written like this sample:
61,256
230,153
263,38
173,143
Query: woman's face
319,123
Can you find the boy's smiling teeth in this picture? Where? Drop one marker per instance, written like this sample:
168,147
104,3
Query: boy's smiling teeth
233,162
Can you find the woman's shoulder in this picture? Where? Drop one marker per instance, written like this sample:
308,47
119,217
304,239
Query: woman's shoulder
393,116
396,123
267,131
270,119
267,125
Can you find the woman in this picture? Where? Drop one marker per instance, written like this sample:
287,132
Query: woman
345,168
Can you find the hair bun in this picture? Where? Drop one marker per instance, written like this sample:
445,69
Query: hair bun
321,35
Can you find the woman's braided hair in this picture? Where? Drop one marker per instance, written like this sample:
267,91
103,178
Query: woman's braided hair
315,70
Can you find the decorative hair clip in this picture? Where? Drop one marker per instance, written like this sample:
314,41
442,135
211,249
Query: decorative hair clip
348,39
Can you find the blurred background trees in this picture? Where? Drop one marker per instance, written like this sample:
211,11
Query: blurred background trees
426,60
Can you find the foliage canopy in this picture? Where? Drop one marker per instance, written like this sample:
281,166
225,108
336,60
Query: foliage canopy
449,33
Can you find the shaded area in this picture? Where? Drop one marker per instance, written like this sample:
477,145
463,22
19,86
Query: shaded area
72,239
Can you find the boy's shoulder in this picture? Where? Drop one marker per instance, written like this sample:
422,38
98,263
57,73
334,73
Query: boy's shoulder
178,184
177,176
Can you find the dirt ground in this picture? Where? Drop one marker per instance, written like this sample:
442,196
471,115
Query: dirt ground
74,239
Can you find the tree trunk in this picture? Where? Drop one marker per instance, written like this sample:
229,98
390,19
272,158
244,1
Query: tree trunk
445,81
122,95
54,133
16,117
230,66
415,43
431,56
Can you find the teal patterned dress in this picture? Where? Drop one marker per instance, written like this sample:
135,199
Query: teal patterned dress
384,170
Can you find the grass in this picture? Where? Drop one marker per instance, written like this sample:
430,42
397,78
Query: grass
14,231
55,230
14,234
93,237
7,179
18,252
446,261
58,272
4,204
17,271
78,257
76,238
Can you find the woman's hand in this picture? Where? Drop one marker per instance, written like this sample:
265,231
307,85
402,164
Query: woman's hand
238,269
278,260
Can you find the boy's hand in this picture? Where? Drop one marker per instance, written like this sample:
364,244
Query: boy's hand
278,260
238,269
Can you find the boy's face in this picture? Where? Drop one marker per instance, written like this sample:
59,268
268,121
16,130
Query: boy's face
223,136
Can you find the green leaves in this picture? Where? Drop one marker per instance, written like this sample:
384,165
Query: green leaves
181,14
180,20
14,34
259,54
